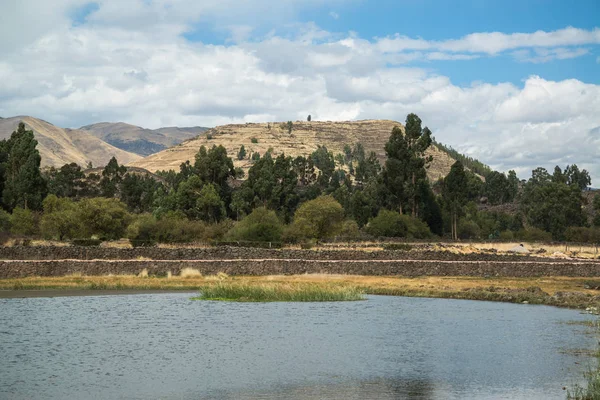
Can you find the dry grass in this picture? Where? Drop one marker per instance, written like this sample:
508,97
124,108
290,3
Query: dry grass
557,291
305,138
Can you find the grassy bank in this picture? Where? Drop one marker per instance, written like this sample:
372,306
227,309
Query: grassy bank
555,291
279,291
591,391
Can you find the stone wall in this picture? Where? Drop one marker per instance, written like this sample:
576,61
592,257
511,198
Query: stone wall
527,268
238,253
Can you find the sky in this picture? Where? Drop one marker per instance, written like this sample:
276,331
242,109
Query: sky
515,84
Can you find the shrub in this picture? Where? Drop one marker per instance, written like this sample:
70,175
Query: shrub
61,219
349,230
387,224
22,222
170,228
4,221
393,224
261,225
104,218
86,242
254,140
317,219
507,236
468,229
582,235
533,235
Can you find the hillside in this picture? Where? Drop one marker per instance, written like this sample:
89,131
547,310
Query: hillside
305,137
59,146
139,140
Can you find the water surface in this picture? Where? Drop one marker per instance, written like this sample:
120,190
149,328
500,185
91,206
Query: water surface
165,346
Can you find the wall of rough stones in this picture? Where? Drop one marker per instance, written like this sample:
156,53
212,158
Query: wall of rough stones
18,262
234,253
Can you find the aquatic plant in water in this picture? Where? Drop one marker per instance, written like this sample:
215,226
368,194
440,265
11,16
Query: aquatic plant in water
266,292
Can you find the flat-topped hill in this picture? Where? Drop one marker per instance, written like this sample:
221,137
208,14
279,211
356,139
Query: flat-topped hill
303,140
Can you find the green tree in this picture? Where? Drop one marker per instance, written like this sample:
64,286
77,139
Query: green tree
319,218
309,118
513,185
418,140
368,168
261,225
551,206
139,192
24,185
209,204
497,188
68,181
454,194
22,222
596,207
105,218
61,219
112,176
397,172
242,153
577,178
323,160
290,126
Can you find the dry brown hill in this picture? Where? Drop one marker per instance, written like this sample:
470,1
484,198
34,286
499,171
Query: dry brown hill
305,137
140,140
59,146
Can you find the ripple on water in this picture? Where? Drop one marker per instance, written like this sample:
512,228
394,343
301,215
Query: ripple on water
167,346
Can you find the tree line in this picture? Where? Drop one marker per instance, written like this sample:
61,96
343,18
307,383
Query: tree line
353,195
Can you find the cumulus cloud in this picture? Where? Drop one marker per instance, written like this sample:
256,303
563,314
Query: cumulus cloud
116,68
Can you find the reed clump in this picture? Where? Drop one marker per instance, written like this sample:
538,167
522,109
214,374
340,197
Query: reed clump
591,391
276,291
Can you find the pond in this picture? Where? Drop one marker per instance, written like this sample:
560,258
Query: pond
165,346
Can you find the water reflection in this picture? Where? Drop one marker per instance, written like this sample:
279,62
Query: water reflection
168,347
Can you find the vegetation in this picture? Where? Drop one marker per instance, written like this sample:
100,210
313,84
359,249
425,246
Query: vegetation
266,292
591,391
301,199
513,290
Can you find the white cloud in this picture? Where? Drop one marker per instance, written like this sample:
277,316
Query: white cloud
334,15
494,42
149,75
543,55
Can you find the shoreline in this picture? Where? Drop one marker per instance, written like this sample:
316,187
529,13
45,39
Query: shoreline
566,292
37,293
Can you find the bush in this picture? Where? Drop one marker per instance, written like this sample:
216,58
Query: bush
61,219
103,217
318,219
172,227
22,222
254,140
393,224
349,230
468,229
86,242
582,235
533,235
261,225
507,236
4,221
387,224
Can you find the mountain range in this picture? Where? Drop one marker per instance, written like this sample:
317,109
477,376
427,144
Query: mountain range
166,148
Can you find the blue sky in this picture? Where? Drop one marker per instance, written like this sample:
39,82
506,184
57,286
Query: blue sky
513,83
439,20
